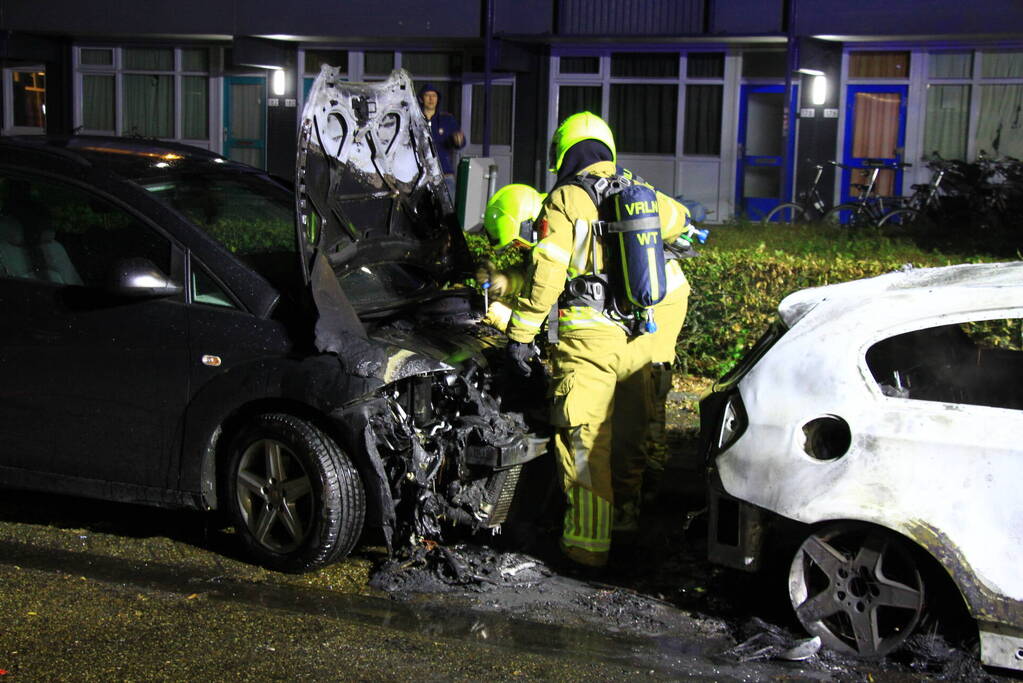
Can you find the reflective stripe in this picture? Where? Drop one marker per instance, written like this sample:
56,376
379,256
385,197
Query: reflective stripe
576,317
580,231
519,319
651,264
587,521
555,252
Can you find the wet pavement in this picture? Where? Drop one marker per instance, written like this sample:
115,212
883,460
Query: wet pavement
100,591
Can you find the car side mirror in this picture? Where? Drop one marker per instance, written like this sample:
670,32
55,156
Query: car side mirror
139,277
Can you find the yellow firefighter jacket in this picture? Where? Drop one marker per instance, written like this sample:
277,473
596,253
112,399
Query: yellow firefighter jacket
564,251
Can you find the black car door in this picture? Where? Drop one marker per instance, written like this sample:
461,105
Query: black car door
92,384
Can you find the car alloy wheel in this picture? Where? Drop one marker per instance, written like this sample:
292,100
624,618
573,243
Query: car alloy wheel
858,588
274,495
294,495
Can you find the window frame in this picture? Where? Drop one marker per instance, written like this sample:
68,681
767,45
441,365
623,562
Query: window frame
605,80
117,70
8,97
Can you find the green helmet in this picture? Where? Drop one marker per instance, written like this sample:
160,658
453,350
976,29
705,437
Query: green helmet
509,215
576,128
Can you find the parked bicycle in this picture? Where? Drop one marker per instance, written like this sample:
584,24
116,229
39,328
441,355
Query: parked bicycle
868,208
930,205
811,205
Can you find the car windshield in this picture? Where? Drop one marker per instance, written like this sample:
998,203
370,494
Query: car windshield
246,212
382,286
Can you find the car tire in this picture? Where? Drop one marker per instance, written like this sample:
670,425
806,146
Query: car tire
858,587
785,214
294,496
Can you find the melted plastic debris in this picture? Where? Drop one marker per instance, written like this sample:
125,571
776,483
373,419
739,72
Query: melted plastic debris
764,641
429,567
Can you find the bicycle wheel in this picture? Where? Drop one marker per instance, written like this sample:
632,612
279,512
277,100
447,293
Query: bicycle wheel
901,219
788,213
847,216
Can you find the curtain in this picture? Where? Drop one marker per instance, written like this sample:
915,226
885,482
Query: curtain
98,103
951,65
644,65
643,118
948,118
501,111
879,65
148,105
573,99
876,134
1002,65
158,59
195,108
1000,127
703,120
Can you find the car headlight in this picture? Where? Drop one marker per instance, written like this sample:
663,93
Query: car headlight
733,421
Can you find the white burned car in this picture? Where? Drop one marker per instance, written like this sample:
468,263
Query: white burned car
874,433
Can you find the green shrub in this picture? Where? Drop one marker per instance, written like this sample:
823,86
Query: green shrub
738,282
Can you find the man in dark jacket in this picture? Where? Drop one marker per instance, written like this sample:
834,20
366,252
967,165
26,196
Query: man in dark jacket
447,133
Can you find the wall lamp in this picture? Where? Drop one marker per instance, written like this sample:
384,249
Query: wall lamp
277,82
818,86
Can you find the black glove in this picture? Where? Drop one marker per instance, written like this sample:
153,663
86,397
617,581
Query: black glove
518,355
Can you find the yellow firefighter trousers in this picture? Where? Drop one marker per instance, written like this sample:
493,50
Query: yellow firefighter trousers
587,369
639,418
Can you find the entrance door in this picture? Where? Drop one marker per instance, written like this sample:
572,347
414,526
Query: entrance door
245,119
761,180
875,130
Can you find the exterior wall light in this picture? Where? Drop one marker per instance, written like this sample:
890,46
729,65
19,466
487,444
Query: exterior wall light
819,89
277,83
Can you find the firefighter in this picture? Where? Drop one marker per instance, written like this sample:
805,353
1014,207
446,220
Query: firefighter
595,351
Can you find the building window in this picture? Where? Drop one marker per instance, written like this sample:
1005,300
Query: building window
26,94
501,110
580,65
315,59
974,104
577,98
377,63
948,120
703,120
643,117
152,92
879,64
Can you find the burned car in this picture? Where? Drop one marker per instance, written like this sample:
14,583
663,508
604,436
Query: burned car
871,439
183,330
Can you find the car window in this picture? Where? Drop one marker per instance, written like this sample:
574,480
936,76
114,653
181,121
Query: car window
245,212
56,232
205,289
974,363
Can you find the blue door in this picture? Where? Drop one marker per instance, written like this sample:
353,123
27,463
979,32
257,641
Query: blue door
875,130
762,179
245,119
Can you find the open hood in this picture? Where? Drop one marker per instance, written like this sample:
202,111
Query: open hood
369,184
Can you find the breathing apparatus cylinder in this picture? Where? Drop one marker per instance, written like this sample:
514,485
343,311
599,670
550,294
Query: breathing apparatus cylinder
637,251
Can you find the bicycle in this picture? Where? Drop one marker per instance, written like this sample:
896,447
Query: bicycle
810,208
867,208
929,206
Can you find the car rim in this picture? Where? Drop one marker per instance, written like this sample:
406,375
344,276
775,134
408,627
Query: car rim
274,495
858,589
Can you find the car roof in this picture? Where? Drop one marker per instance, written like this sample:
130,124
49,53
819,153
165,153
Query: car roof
870,292
135,158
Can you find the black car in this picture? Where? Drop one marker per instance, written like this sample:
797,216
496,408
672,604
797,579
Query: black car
182,330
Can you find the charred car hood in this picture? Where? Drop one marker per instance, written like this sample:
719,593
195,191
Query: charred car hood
369,185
